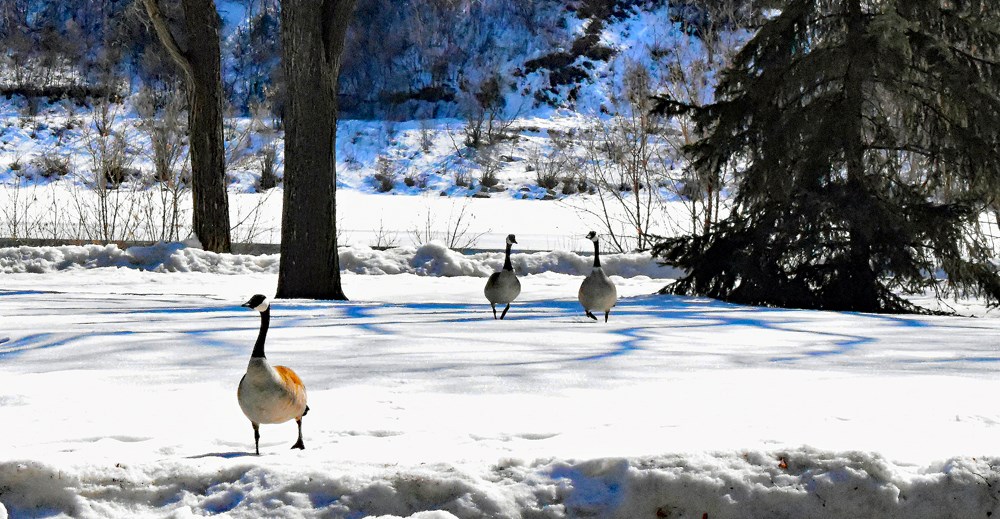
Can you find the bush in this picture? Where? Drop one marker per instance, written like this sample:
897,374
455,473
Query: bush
268,160
547,178
489,178
385,175
116,174
51,165
418,180
570,185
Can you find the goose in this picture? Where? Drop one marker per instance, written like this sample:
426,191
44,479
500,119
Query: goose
269,394
597,292
503,287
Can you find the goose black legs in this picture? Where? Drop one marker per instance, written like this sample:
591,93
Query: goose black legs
502,314
494,306
256,438
606,314
590,315
299,444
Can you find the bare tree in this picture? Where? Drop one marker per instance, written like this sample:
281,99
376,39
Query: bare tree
690,68
113,212
626,166
201,64
161,120
16,211
384,238
312,38
483,105
456,235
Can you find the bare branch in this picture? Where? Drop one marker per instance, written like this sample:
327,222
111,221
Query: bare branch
167,38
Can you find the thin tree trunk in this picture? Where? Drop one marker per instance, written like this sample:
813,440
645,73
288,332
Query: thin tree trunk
208,160
312,38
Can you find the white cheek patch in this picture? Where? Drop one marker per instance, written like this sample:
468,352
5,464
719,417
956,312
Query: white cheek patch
263,306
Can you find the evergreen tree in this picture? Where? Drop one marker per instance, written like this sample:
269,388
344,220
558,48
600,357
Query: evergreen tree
865,136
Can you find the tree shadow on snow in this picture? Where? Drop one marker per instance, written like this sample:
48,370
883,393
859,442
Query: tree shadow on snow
224,455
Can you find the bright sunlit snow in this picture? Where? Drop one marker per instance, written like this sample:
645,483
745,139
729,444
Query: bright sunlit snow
118,398
119,367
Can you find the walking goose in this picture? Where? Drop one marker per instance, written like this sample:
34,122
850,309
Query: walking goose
503,287
270,394
597,292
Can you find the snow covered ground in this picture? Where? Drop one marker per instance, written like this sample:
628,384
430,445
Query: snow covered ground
117,397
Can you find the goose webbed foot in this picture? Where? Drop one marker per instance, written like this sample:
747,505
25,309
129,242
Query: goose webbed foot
590,315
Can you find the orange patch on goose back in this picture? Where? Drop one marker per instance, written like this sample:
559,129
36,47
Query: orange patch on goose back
289,378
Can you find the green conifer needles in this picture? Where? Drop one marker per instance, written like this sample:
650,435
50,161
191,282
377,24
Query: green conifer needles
865,141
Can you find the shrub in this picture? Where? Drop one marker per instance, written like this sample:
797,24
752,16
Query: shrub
418,180
51,165
117,174
385,175
426,137
489,178
570,185
547,178
268,160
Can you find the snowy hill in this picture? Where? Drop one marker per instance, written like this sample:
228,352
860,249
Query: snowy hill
539,114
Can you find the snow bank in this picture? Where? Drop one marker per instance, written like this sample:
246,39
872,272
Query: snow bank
433,259
162,257
802,483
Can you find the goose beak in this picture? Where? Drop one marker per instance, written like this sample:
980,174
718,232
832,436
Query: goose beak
246,305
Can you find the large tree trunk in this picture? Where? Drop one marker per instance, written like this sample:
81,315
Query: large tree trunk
201,64
860,289
312,38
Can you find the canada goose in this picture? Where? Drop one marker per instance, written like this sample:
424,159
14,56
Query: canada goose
266,394
503,287
597,292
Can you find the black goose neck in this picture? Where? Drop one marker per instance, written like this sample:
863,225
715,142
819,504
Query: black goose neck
597,255
506,260
258,347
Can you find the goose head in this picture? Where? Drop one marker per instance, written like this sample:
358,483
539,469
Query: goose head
258,302
511,240
592,236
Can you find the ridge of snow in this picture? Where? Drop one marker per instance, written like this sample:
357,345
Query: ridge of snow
431,259
799,483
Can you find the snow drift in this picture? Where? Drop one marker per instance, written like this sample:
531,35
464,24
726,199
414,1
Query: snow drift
741,485
432,259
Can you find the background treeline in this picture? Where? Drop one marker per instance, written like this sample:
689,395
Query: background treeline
403,58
